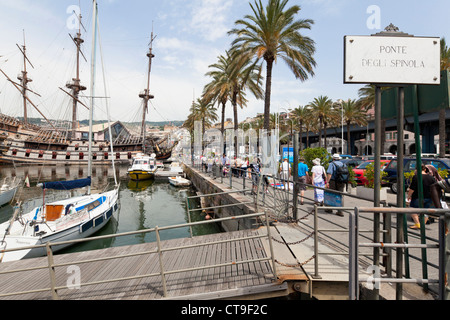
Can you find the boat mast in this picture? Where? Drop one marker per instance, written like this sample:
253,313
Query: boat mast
75,85
146,96
91,110
24,79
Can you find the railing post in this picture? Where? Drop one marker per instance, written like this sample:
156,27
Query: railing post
189,215
353,276
161,265
269,236
51,270
316,245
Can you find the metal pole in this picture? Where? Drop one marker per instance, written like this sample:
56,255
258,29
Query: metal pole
316,245
51,269
295,174
161,265
400,188
420,182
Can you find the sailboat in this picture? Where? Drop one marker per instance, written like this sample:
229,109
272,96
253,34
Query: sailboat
69,219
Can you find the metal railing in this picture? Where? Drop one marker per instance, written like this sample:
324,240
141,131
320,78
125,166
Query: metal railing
51,266
354,245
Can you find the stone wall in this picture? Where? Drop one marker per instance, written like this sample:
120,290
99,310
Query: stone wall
207,185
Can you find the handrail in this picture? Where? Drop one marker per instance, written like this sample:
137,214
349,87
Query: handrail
354,245
159,250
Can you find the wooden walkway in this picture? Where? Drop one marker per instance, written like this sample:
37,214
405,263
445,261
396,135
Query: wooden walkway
233,281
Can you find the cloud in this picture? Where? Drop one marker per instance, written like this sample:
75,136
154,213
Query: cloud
210,17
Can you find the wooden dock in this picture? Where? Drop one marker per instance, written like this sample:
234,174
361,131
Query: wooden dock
240,280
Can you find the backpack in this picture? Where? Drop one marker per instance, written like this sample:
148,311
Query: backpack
342,174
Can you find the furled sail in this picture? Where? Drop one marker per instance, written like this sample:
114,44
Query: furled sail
66,185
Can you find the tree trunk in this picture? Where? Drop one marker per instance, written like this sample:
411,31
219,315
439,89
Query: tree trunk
320,132
269,62
222,126
236,121
349,150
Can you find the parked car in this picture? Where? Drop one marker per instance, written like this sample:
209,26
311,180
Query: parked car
409,164
352,162
359,171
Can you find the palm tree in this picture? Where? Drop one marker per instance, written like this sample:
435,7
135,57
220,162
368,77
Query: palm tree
445,65
205,112
231,78
271,33
219,88
301,114
367,100
353,113
322,108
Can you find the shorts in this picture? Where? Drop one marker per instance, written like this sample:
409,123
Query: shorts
302,181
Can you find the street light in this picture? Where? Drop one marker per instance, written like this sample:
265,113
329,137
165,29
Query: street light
342,124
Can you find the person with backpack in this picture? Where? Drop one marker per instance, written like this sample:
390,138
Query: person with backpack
337,177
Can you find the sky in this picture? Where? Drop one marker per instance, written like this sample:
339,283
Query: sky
190,35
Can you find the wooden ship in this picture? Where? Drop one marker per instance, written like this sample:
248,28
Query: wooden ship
22,142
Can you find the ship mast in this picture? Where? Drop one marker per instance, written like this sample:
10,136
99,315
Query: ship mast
75,84
146,96
24,79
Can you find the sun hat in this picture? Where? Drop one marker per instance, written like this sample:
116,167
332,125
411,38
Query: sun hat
336,156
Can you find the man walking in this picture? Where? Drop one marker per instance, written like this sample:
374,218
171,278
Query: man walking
334,181
302,174
285,172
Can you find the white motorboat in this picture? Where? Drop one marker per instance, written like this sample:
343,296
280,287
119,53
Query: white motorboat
179,182
176,167
8,191
143,168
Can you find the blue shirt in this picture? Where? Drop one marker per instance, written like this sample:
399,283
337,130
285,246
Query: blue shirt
333,167
302,169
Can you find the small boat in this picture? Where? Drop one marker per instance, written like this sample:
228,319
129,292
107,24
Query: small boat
176,167
143,168
8,191
179,182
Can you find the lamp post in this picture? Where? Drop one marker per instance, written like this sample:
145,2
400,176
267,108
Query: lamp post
341,103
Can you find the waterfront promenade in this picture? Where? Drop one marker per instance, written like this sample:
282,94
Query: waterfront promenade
237,264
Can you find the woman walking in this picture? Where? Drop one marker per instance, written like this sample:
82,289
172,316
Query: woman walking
318,180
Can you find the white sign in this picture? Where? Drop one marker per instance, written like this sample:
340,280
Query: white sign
392,60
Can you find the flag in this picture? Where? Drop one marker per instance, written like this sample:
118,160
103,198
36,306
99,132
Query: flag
27,182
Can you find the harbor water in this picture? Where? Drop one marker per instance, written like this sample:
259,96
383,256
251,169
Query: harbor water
142,205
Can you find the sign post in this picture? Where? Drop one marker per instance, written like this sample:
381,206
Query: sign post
391,59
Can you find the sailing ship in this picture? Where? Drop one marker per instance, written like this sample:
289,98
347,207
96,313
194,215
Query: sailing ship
69,219
22,142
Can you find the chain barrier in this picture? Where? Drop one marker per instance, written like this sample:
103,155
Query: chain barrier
295,265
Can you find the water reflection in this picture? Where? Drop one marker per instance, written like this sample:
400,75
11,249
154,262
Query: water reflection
143,204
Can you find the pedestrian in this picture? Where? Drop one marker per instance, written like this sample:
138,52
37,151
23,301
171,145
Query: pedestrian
318,180
285,172
333,181
244,167
253,170
302,175
413,195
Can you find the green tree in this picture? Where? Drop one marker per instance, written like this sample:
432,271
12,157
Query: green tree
270,33
354,113
322,108
301,115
